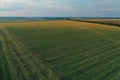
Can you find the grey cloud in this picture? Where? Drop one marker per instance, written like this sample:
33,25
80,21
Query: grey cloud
11,6
101,3
110,9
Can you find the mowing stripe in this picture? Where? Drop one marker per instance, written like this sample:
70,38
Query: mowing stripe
28,67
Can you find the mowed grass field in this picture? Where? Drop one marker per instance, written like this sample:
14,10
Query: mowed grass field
59,50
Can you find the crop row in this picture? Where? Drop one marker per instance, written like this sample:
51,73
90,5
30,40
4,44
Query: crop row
90,52
19,63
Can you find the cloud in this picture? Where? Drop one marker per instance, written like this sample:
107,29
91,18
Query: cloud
100,3
8,5
57,7
38,7
110,9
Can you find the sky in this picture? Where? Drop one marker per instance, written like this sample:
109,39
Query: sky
60,8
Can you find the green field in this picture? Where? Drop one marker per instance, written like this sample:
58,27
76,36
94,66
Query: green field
59,50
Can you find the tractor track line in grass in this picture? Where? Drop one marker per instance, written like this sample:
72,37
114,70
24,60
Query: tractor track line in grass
41,64
10,53
24,59
2,60
6,63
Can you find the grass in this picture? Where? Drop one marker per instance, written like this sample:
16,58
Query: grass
60,50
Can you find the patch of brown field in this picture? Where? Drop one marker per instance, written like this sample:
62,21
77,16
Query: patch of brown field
114,21
59,24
